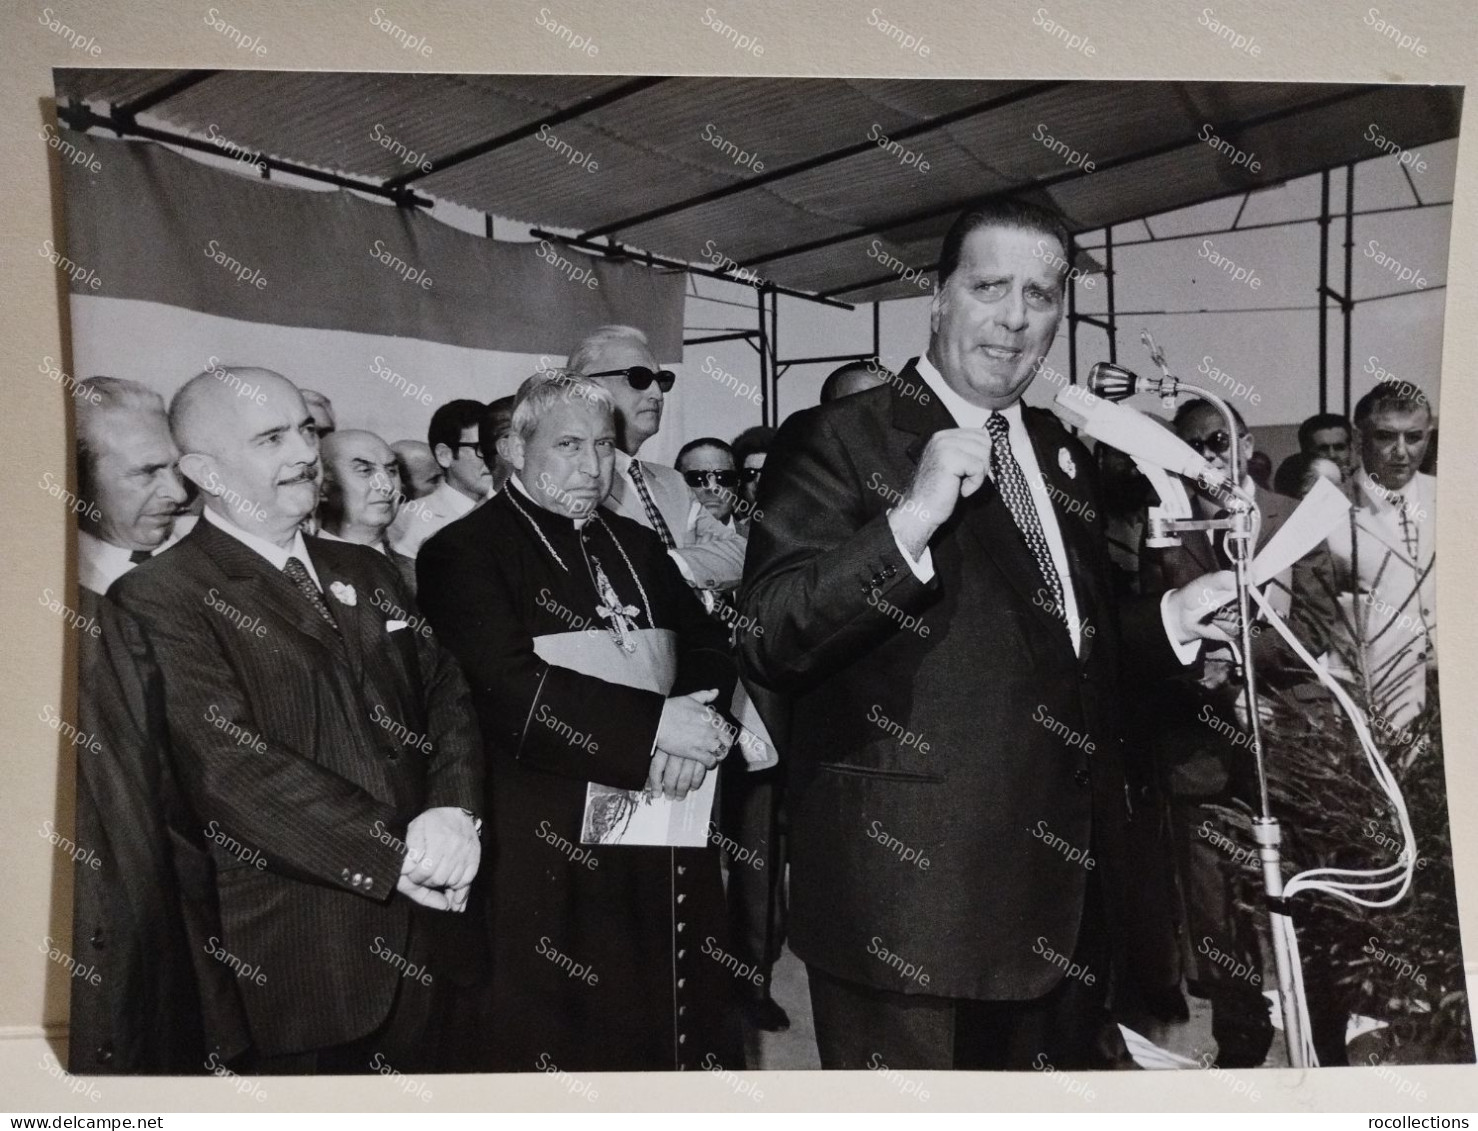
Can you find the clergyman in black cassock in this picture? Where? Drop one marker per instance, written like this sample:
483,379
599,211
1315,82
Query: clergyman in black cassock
573,634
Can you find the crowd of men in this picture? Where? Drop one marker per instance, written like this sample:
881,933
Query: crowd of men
356,702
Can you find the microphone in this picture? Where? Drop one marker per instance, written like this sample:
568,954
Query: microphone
1131,431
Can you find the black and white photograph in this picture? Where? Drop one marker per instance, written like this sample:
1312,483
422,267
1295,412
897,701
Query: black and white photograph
589,573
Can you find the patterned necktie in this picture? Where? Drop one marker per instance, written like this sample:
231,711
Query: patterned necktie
1018,498
298,574
1409,533
654,516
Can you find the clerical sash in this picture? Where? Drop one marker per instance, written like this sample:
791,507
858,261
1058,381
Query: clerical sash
628,816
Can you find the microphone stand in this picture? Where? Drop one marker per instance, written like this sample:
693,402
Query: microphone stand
1241,524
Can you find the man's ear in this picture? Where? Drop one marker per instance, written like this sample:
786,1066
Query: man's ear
934,304
511,448
445,457
200,469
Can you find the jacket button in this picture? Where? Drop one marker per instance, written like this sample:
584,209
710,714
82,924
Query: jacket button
105,1053
99,940
1080,776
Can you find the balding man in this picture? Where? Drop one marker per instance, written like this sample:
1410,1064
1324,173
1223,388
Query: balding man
322,411
126,466
325,739
360,495
854,377
419,471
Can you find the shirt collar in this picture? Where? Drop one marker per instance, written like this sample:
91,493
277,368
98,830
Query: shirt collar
272,552
100,563
966,414
453,501
329,536
518,486
1383,496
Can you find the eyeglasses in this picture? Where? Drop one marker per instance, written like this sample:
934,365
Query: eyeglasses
460,444
639,377
1219,443
708,478
750,474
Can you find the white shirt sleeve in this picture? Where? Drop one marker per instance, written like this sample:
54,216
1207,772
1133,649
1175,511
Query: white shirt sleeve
1185,653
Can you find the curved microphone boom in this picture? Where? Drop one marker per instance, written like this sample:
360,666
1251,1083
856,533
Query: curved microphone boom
1132,432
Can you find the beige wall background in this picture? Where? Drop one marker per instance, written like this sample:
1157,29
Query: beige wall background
1132,39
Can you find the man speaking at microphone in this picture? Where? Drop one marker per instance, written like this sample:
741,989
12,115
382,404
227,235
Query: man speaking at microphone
933,583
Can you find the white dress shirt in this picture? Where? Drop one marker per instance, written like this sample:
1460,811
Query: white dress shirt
420,518
100,563
329,536
269,550
968,415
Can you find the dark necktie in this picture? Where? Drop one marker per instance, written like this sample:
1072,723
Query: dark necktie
1006,473
654,516
298,574
140,556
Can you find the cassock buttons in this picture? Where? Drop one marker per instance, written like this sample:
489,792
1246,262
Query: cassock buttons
369,882
682,1038
681,869
681,982
681,897
358,879
344,875
680,927
679,956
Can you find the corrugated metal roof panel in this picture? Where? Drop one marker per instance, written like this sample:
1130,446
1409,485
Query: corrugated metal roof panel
656,149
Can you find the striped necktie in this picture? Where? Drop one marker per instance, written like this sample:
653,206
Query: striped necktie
1006,473
654,516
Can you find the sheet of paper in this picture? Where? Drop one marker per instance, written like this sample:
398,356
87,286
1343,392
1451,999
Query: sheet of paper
629,817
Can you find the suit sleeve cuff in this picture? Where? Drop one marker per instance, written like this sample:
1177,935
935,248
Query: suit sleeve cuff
683,567
922,566
1185,653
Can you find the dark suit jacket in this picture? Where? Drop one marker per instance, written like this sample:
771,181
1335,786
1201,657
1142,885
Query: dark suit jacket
144,901
994,689
310,749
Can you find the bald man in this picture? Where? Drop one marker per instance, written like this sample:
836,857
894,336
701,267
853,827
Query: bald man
854,377
321,409
361,495
327,742
419,471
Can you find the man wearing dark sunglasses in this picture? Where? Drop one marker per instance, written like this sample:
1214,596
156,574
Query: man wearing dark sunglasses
707,464
709,552
1199,767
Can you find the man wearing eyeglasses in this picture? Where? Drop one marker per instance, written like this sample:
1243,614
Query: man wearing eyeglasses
453,436
709,552
1200,768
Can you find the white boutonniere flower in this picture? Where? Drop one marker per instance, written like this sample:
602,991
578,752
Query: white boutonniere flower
1065,461
344,594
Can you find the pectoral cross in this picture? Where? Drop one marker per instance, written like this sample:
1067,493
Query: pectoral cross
611,609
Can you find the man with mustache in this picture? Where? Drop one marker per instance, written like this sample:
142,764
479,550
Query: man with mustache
933,584
327,745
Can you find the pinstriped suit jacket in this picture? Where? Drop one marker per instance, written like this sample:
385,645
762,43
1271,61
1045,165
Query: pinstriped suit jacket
306,751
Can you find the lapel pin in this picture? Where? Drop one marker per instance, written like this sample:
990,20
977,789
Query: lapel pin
1065,461
344,594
